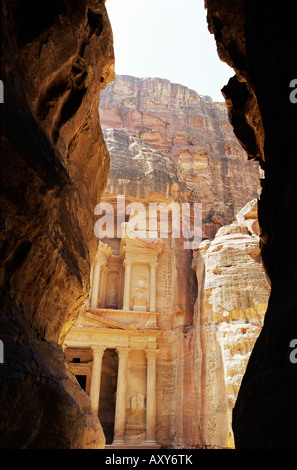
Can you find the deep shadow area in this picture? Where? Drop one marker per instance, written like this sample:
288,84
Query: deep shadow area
257,39
46,212
108,390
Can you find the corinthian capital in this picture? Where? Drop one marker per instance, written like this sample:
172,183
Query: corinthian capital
103,252
98,351
123,352
152,353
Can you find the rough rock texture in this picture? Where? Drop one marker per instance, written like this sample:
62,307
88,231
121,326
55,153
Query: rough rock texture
139,170
233,292
56,56
194,133
258,40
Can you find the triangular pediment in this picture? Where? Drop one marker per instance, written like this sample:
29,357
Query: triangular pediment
92,317
131,240
157,247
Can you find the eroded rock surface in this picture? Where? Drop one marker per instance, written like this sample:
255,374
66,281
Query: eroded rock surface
232,300
56,56
257,39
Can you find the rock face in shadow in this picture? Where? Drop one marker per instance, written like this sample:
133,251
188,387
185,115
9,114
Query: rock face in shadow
257,39
56,56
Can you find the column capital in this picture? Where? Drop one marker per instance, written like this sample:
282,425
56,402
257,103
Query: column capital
123,352
127,262
152,353
98,351
100,259
103,253
153,264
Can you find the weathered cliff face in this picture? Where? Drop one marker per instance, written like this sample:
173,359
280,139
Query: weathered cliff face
194,133
257,39
56,56
233,292
138,170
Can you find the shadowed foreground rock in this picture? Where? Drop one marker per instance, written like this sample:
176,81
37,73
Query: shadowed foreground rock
258,40
55,57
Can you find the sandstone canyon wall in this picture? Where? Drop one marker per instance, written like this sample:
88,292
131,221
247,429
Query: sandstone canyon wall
257,39
56,57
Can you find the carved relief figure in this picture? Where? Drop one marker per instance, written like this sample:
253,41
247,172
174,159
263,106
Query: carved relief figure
141,287
140,301
112,290
137,407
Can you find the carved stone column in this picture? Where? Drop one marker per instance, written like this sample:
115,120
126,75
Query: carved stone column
153,287
120,411
96,378
95,285
127,284
151,397
103,252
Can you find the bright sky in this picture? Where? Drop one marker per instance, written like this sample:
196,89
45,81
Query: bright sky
167,39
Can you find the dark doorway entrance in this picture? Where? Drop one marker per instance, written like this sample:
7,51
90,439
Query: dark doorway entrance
82,380
108,390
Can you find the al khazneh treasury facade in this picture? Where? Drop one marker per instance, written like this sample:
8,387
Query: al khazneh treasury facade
114,347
